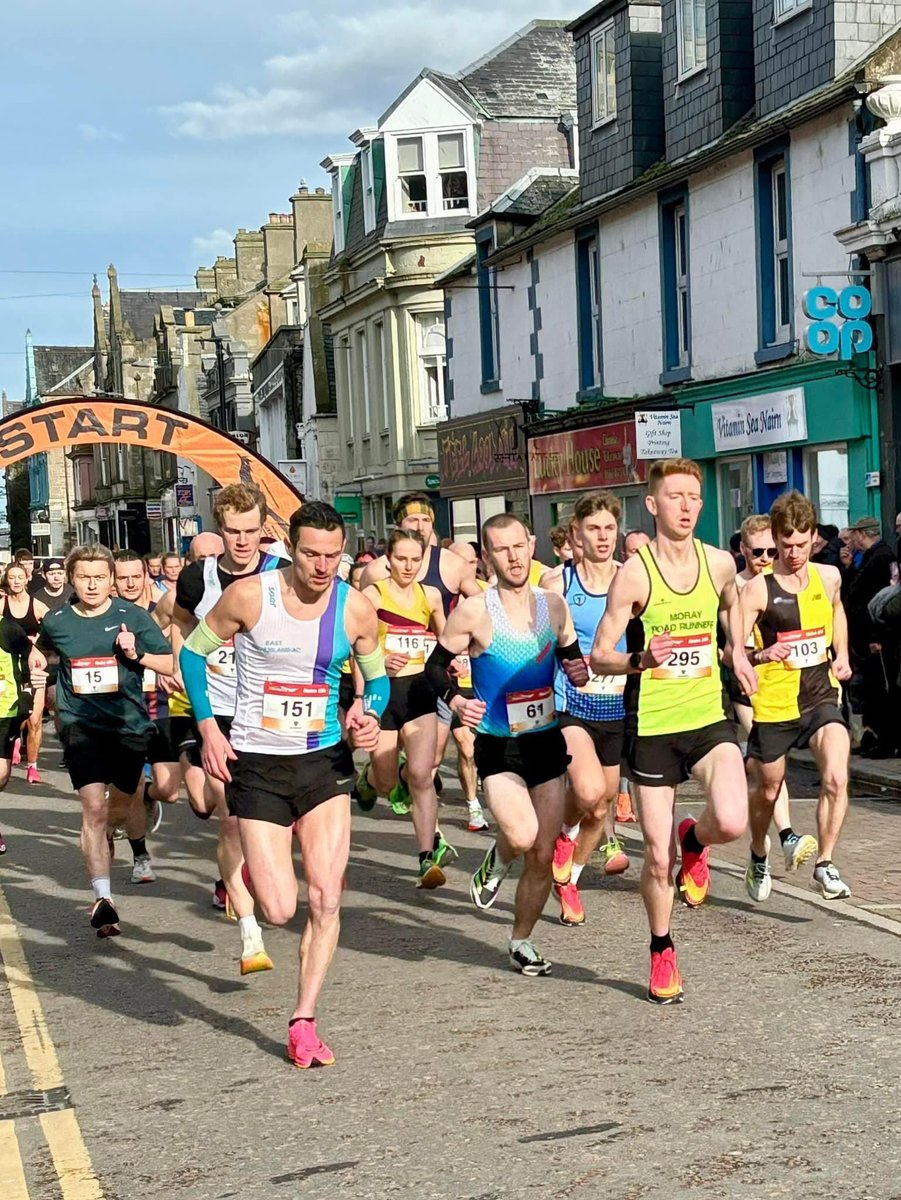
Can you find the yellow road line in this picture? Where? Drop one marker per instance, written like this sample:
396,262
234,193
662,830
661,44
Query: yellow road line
12,1170
3,1088
70,1156
39,1049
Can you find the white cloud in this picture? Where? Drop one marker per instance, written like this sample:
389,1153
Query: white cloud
347,69
97,133
208,246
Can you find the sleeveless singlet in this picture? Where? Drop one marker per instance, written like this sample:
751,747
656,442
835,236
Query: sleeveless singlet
156,699
288,675
405,630
29,622
432,578
601,699
515,675
804,680
686,692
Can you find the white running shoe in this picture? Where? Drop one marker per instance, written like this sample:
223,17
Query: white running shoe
830,882
477,822
142,872
758,879
798,850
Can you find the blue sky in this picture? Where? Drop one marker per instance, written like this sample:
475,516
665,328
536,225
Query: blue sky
146,135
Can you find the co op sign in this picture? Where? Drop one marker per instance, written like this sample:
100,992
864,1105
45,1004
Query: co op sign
839,320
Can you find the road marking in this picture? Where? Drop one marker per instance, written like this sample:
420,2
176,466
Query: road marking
40,1052
70,1156
12,1169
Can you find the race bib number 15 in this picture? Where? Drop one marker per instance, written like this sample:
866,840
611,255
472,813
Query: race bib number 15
94,676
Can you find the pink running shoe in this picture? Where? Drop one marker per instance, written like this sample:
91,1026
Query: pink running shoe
306,1048
17,752
564,849
2,845
33,775
693,880
220,896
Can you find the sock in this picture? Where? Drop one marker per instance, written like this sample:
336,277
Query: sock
572,831
517,943
690,841
474,806
577,870
439,784
248,927
138,847
787,835
148,784
437,842
423,855
823,862
101,887
33,766
758,858
661,942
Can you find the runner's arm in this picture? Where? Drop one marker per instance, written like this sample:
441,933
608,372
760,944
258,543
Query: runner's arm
456,639
436,607
219,626
628,592
369,660
569,652
841,664
722,567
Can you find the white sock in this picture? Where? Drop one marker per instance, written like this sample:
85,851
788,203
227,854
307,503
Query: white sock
248,927
573,831
101,887
577,870
34,765
518,943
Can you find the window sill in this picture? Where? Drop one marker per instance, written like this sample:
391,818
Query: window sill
675,375
768,354
797,11
490,386
604,122
589,395
692,75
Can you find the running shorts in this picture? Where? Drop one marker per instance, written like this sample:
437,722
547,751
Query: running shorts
104,756
772,740
9,731
193,742
162,748
535,757
667,759
411,697
445,712
281,788
608,737
346,693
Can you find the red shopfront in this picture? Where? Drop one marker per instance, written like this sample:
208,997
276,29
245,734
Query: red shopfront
564,465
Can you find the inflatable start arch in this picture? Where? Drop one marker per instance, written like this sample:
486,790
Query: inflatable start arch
88,421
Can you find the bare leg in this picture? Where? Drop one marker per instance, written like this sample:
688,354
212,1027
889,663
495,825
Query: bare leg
35,728
324,836
419,742
383,769
655,813
534,886
511,806
165,783
767,781
466,764
95,814
831,748
229,855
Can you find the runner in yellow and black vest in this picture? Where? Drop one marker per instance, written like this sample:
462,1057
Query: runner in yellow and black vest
802,638
677,587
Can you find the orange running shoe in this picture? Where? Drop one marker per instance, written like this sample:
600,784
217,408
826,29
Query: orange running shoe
564,849
571,909
306,1048
625,812
665,986
693,880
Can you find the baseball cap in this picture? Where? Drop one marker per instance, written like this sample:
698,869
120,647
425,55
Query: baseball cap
868,525
54,564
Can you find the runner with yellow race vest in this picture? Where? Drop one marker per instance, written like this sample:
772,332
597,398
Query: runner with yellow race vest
802,633
15,647
677,586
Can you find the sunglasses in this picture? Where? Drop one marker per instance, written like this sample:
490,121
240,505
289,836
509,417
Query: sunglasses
759,551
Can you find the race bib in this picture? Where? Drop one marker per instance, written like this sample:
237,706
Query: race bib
295,707
464,666
418,644
94,676
222,661
530,710
692,658
807,648
149,684
602,685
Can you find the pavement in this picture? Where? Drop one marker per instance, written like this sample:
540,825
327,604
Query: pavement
145,1065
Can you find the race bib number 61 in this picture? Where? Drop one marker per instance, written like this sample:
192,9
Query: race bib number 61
530,710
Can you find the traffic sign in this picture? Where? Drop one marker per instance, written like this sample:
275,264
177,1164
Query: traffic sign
350,508
433,482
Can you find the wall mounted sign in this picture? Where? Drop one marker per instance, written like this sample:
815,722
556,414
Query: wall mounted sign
601,457
769,420
839,319
658,434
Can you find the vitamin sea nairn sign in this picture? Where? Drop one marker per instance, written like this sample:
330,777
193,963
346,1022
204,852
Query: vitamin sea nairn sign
603,456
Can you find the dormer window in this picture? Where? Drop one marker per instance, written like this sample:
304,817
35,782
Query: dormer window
411,172
432,174
368,190
452,166
603,75
692,21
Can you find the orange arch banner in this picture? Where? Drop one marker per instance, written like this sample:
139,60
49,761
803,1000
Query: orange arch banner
88,421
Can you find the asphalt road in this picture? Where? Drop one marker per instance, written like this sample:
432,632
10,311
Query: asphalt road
145,1066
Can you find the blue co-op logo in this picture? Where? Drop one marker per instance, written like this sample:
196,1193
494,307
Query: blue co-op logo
839,320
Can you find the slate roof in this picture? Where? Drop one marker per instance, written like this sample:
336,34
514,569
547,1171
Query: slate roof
532,74
530,196
63,365
139,308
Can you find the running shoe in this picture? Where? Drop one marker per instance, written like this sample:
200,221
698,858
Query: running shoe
2,845
142,872
616,860
485,884
693,879
430,874
564,849
400,799
798,850
477,822
366,793
830,882
253,954
17,752
625,812
758,879
571,910
443,853
154,811
665,986
104,918
306,1048
528,961
33,775
220,895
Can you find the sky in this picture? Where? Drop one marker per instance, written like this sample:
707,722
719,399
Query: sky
145,135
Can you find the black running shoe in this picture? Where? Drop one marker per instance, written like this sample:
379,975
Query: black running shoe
485,884
528,961
104,918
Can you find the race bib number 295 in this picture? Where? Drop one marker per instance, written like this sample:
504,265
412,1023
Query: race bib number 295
691,658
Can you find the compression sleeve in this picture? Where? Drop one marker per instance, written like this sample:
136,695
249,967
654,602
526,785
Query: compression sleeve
436,672
377,685
572,651
192,660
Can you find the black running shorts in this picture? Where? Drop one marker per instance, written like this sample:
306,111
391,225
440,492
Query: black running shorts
346,693
162,748
193,742
104,756
535,757
281,788
608,737
769,741
411,697
9,731
667,759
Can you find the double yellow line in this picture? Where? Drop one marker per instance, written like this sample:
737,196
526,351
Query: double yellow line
60,1128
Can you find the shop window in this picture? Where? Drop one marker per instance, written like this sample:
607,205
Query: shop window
775,295
588,301
465,520
826,475
736,488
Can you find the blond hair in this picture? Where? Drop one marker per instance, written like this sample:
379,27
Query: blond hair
757,523
672,466
239,498
93,552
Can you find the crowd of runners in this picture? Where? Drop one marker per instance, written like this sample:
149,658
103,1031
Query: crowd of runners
278,684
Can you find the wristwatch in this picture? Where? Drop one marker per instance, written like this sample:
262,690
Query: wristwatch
635,660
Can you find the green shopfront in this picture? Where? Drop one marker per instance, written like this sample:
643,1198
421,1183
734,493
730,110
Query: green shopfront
811,426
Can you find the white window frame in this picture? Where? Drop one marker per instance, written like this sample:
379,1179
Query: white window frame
594,300
402,175
784,10
368,189
338,210
690,15
683,316
105,464
361,362
450,206
427,414
781,253
603,113
378,333
434,203
343,367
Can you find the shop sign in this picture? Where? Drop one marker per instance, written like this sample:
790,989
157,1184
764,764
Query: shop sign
839,320
601,457
769,420
184,495
477,453
350,508
775,466
658,434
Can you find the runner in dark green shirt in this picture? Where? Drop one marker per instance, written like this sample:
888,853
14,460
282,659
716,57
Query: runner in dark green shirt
15,703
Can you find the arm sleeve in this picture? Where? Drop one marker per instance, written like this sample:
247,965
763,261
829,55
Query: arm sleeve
192,660
572,651
376,684
436,672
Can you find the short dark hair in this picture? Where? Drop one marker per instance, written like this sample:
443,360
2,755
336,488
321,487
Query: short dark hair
23,555
130,556
828,532
501,521
315,514
735,543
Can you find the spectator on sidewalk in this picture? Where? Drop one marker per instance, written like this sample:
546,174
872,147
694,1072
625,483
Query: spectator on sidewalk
874,664
827,546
